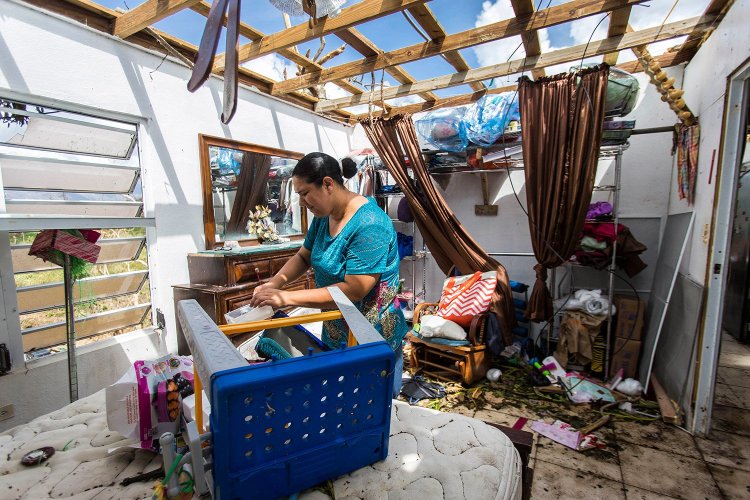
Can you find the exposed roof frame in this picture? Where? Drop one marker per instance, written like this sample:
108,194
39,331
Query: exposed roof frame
367,48
551,16
575,53
665,61
146,14
429,23
359,13
101,18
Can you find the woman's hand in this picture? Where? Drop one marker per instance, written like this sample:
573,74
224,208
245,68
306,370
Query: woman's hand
266,296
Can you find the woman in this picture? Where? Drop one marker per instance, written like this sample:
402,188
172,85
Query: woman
351,243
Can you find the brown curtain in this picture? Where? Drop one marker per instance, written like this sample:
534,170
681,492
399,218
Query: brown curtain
251,189
395,140
561,127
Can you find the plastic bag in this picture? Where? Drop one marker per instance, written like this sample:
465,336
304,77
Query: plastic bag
146,401
487,119
441,129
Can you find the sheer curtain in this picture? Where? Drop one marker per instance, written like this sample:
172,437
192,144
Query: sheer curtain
561,127
450,244
251,189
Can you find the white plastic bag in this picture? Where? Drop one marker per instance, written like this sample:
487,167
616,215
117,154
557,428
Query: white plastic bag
146,401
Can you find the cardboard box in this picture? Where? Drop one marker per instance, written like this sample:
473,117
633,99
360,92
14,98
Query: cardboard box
630,313
625,355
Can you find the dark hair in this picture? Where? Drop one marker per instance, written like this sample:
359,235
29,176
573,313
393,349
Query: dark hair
314,167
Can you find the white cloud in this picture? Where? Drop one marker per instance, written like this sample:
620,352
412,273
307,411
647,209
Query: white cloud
272,66
500,50
653,13
404,101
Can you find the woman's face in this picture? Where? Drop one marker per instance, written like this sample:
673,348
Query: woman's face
318,199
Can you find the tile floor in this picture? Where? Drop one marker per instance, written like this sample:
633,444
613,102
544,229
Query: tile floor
654,460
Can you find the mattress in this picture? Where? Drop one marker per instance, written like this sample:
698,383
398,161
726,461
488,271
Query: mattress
431,455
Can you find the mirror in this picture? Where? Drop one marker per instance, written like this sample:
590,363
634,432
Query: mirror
237,176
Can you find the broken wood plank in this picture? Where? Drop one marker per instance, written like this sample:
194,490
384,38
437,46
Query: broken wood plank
667,408
552,16
351,16
575,53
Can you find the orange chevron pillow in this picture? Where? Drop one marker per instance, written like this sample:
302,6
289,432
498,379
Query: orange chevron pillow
464,297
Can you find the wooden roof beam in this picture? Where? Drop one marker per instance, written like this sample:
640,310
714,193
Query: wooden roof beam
251,33
429,23
530,39
146,14
618,25
575,53
358,13
367,48
552,16
665,61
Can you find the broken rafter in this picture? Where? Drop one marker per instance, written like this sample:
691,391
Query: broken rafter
146,14
251,33
356,14
552,16
666,60
575,53
530,39
364,46
429,23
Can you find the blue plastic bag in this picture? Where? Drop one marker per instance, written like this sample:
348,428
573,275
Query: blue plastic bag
441,129
487,119
405,245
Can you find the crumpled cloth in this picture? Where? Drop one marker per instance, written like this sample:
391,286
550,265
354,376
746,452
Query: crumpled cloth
588,301
577,333
598,209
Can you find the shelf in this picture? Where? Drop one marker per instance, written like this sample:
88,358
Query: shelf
401,221
388,195
464,170
605,188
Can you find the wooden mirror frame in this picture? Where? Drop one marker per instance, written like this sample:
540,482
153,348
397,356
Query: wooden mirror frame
209,222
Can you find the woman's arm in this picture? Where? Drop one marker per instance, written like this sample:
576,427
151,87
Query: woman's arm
354,286
293,269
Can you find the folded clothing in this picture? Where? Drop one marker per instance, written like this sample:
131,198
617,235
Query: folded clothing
589,301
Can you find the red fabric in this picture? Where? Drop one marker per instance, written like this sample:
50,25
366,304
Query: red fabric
66,243
602,232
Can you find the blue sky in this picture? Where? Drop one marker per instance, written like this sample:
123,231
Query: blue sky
394,31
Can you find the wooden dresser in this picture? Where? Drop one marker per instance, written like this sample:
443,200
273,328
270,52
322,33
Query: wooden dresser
222,281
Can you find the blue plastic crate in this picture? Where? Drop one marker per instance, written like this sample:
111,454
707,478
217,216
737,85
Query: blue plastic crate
281,427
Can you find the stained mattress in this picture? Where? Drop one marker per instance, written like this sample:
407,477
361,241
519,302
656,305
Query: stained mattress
431,455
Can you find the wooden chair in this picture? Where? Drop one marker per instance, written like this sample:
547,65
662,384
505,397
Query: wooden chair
465,364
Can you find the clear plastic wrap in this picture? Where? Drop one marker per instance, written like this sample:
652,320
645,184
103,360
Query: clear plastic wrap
441,129
489,117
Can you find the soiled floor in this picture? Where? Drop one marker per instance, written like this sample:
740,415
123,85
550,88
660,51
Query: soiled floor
654,460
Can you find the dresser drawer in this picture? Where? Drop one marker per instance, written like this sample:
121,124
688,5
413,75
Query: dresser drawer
256,270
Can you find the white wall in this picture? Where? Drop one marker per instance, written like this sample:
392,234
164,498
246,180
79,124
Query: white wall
705,85
47,57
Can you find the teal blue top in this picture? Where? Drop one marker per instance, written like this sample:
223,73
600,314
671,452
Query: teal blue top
365,245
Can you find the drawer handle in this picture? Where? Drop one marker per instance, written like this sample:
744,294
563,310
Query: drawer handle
257,273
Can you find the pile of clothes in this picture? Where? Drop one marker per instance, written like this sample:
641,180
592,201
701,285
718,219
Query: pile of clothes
598,236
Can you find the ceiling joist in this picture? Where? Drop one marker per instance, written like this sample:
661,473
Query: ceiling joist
351,16
552,16
570,54
618,25
530,39
146,14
